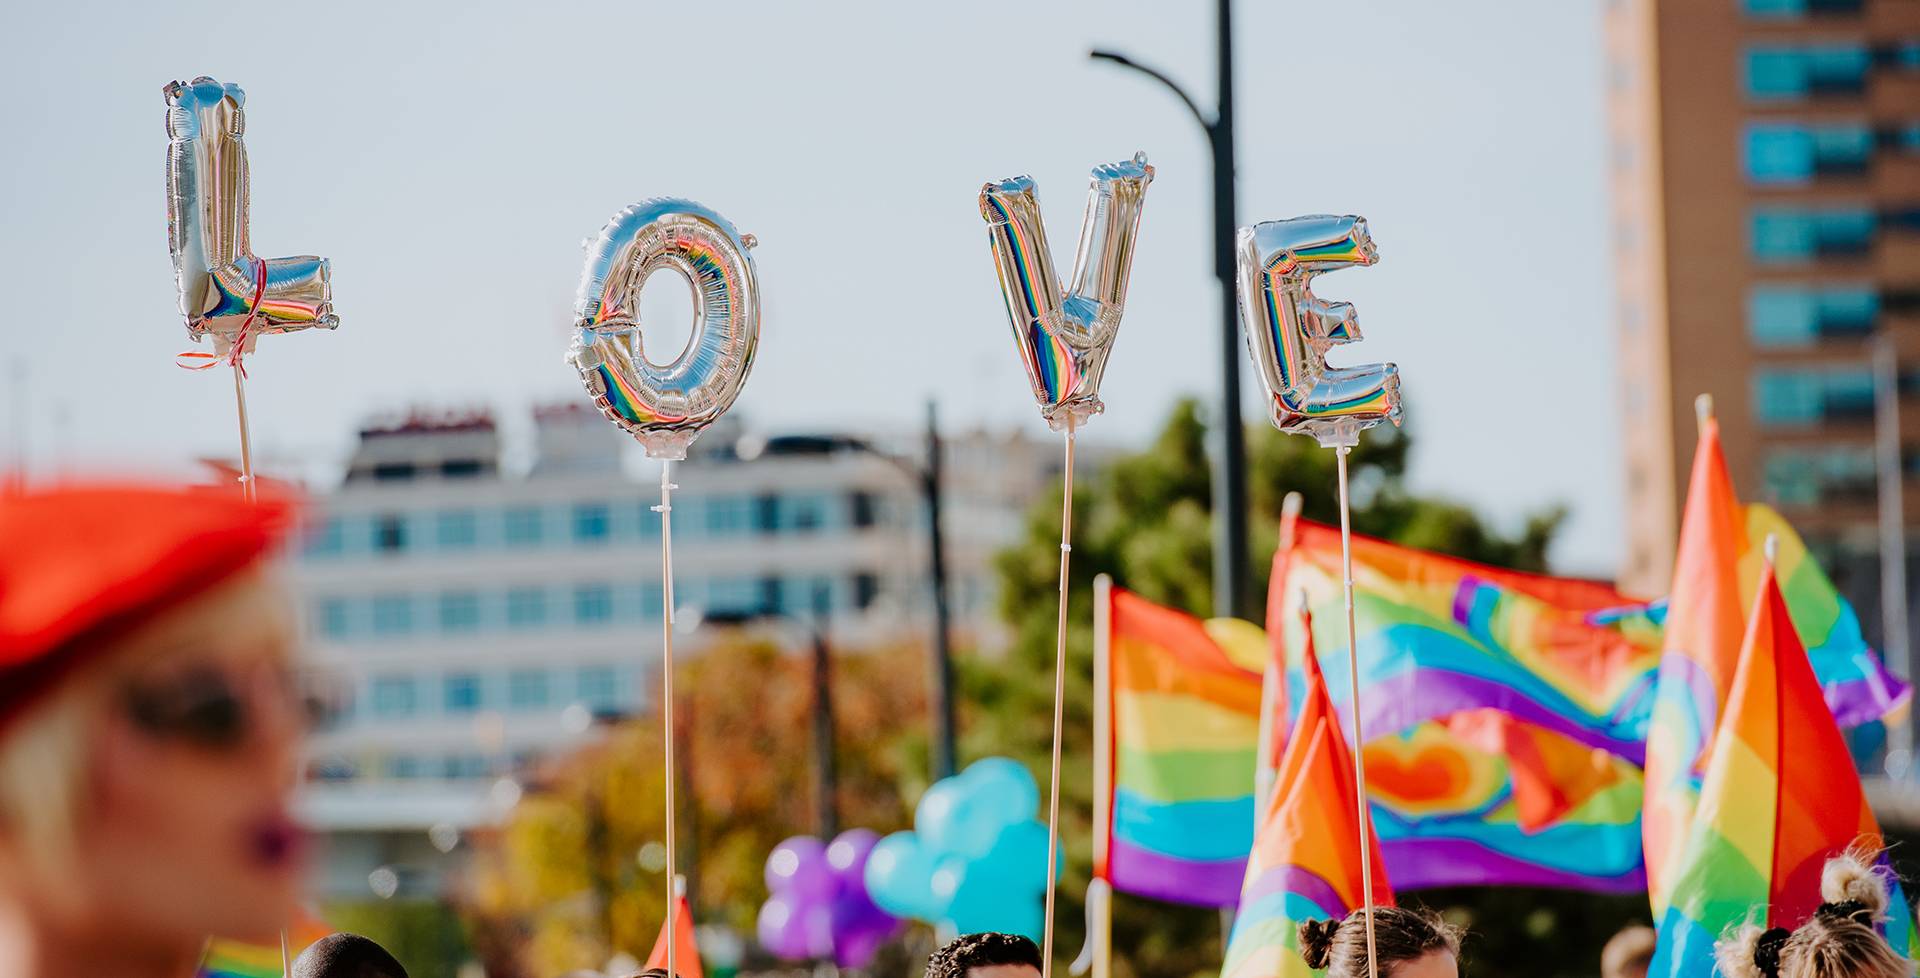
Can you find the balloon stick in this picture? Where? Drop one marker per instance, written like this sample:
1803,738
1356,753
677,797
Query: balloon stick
1353,676
1059,701
246,432
665,509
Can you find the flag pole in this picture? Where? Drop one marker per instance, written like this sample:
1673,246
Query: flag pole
1272,681
1059,704
674,883
1353,676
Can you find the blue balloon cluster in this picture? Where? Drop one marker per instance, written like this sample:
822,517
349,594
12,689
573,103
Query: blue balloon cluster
977,858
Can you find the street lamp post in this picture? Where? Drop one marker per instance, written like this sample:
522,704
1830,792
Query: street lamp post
1230,558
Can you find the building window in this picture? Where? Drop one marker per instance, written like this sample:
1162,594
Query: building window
773,596
652,600
865,588
466,767
395,696
1790,234
526,607
862,507
456,529
331,616
1789,9
597,687
1790,154
1775,71
1798,315
324,538
404,767
393,471
734,595
528,689
392,614
390,533
592,604
728,515
766,513
1805,396
806,513
523,526
1824,475
462,468
461,692
459,611
590,523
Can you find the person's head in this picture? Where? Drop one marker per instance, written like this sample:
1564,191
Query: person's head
346,956
1411,944
149,734
1629,953
985,956
1838,941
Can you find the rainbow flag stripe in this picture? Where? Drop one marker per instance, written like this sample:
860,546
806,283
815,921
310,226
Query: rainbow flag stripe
1779,798
1185,707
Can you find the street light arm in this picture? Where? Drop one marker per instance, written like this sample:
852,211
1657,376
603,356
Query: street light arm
1098,54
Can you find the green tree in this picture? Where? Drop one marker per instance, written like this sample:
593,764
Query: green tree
1145,519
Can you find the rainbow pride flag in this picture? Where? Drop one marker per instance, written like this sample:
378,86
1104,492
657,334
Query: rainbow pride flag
1779,797
1440,636
1306,857
1185,701
235,959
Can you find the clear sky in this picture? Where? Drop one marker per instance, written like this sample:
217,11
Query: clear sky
450,159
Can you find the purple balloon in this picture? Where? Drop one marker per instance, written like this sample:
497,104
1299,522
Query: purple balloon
859,928
848,857
782,928
798,868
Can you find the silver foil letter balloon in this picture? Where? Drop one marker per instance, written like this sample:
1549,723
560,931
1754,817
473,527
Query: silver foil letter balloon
665,405
1289,330
1065,334
223,287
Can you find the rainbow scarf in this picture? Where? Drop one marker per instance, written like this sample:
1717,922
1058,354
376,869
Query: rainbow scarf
1779,797
1306,857
1185,701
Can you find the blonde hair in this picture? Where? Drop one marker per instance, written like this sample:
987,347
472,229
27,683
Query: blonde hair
1401,934
44,752
1838,941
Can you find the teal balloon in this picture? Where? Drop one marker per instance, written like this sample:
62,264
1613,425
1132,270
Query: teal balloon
899,877
1004,787
950,819
982,903
1018,859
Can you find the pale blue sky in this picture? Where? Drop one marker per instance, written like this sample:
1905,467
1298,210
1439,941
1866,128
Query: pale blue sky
450,161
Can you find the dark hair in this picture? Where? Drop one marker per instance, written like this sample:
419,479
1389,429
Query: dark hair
981,951
346,956
1629,953
1399,935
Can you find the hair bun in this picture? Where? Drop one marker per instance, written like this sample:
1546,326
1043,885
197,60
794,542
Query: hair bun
1851,877
1316,942
1738,953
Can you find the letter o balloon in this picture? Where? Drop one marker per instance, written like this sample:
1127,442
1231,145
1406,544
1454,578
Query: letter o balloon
666,405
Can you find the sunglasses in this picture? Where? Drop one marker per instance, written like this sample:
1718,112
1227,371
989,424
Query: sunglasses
219,710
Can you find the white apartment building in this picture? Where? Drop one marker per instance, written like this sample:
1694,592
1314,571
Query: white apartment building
476,619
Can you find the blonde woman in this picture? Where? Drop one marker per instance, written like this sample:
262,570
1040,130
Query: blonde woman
149,731
1838,941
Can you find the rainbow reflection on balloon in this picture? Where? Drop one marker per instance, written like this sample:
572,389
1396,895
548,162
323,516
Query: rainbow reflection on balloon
1289,330
222,285
1064,334
665,406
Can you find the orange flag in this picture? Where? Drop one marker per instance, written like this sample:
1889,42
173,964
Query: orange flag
686,954
1701,648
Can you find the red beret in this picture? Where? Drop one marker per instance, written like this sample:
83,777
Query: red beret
82,564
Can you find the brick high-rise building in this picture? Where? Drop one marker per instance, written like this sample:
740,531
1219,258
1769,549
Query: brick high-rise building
1766,223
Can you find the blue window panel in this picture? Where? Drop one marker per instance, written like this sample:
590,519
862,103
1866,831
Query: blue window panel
388,534
1774,8
598,687
592,604
526,607
1848,311
404,767
652,600
806,512
648,527
590,523
728,515
1775,73
461,692
523,526
1782,316
1788,234
332,619
734,595
1778,72
392,614
1842,148
459,611
529,689
1779,154
456,529
1811,477
1789,397
1836,69
325,537
395,696
466,767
